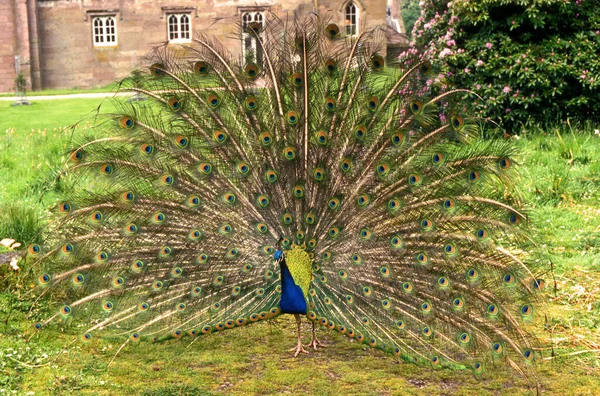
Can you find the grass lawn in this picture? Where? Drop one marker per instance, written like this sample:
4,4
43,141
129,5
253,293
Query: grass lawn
560,180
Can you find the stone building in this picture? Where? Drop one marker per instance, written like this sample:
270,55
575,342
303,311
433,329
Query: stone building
88,43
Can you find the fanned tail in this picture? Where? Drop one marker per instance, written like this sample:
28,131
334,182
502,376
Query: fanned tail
183,198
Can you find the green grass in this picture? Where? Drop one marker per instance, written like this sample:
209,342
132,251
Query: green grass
33,143
51,92
560,180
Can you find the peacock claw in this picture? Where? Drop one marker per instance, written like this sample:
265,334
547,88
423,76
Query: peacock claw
299,349
316,343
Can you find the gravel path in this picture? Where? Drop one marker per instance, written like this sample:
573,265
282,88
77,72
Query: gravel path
69,96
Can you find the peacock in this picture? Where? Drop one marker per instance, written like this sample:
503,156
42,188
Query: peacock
314,179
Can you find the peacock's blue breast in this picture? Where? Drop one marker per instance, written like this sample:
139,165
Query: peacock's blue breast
292,298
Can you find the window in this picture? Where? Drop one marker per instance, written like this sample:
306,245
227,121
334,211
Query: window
104,31
252,50
179,28
351,15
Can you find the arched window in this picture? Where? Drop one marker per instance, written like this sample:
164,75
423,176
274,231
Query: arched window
351,17
179,28
105,31
250,47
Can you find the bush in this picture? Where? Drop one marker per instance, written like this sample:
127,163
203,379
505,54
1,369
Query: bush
530,60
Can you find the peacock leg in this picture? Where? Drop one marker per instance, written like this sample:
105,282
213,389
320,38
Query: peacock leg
315,342
298,348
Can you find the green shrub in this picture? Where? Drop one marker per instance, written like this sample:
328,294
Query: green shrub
530,60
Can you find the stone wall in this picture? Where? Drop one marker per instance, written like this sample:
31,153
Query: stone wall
8,46
69,59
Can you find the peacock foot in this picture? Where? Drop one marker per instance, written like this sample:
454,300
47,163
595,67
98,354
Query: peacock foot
299,349
316,343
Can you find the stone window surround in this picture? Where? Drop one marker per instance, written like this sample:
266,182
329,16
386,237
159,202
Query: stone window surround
361,12
91,15
349,15
253,11
179,25
167,12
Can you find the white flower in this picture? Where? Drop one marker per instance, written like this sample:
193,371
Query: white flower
445,52
13,264
9,243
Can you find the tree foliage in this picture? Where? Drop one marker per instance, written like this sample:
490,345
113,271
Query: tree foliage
410,13
530,60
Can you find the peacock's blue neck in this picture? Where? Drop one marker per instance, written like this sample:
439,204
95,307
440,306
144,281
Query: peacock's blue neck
292,298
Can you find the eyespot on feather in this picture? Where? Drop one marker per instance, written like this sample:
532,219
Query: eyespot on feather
181,141
346,165
167,180
251,103
416,107
265,139
130,229
289,153
425,68
330,104
127,122
457,123
77,155
382,169
319,174
219,137
271,176
157,70
175,104
147,149
251,71
421,258
44,279
128,197
64,207
414,179
360,133
292,117
321,138
397,139
504,163
373,103
107,169
438,158
331,65
205,168
332,30
297,79
201,68
213,100
377,63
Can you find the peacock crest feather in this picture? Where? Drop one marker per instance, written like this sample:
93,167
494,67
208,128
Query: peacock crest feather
384,213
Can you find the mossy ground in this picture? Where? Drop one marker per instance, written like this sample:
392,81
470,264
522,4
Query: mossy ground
560,183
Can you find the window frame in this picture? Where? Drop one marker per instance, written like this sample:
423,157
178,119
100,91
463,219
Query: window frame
104,33
179,24
351,29
249,44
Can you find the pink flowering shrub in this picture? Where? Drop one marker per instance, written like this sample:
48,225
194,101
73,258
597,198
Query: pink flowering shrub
530,60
